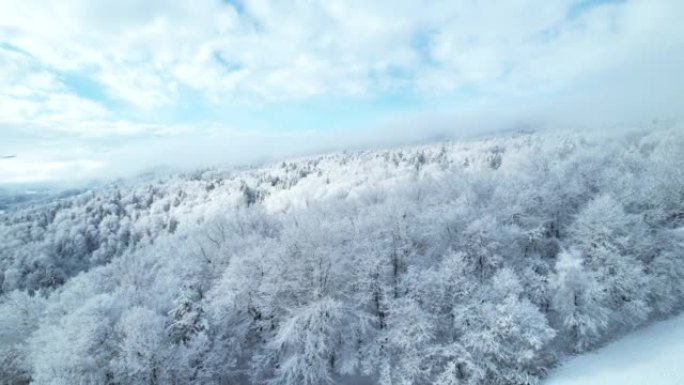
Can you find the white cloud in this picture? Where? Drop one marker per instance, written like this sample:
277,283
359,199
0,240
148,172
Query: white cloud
30,94
149,58
274,50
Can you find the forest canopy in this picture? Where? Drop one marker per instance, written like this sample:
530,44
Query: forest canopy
473,262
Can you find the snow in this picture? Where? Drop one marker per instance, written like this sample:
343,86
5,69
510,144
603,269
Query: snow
653,355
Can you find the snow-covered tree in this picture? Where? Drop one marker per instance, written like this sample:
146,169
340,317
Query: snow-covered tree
142,356
20,315
503,331
78,348
579,301
306,344
186,316
601,234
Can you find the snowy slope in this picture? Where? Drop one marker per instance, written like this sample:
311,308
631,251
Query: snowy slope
653,355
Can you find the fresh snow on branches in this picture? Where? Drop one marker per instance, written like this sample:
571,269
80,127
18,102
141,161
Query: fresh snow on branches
482,261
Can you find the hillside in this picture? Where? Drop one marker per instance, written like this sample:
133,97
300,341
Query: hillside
474,262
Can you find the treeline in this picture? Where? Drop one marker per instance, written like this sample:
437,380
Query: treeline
479,262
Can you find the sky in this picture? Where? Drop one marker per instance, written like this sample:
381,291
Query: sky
92,89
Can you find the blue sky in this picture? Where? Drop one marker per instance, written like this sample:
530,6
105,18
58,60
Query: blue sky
100,88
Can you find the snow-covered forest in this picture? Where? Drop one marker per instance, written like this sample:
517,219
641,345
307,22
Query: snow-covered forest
483,261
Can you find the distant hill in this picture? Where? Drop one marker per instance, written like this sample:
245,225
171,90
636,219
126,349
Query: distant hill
13,198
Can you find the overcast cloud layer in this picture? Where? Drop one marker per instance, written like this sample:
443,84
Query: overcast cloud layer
109,87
